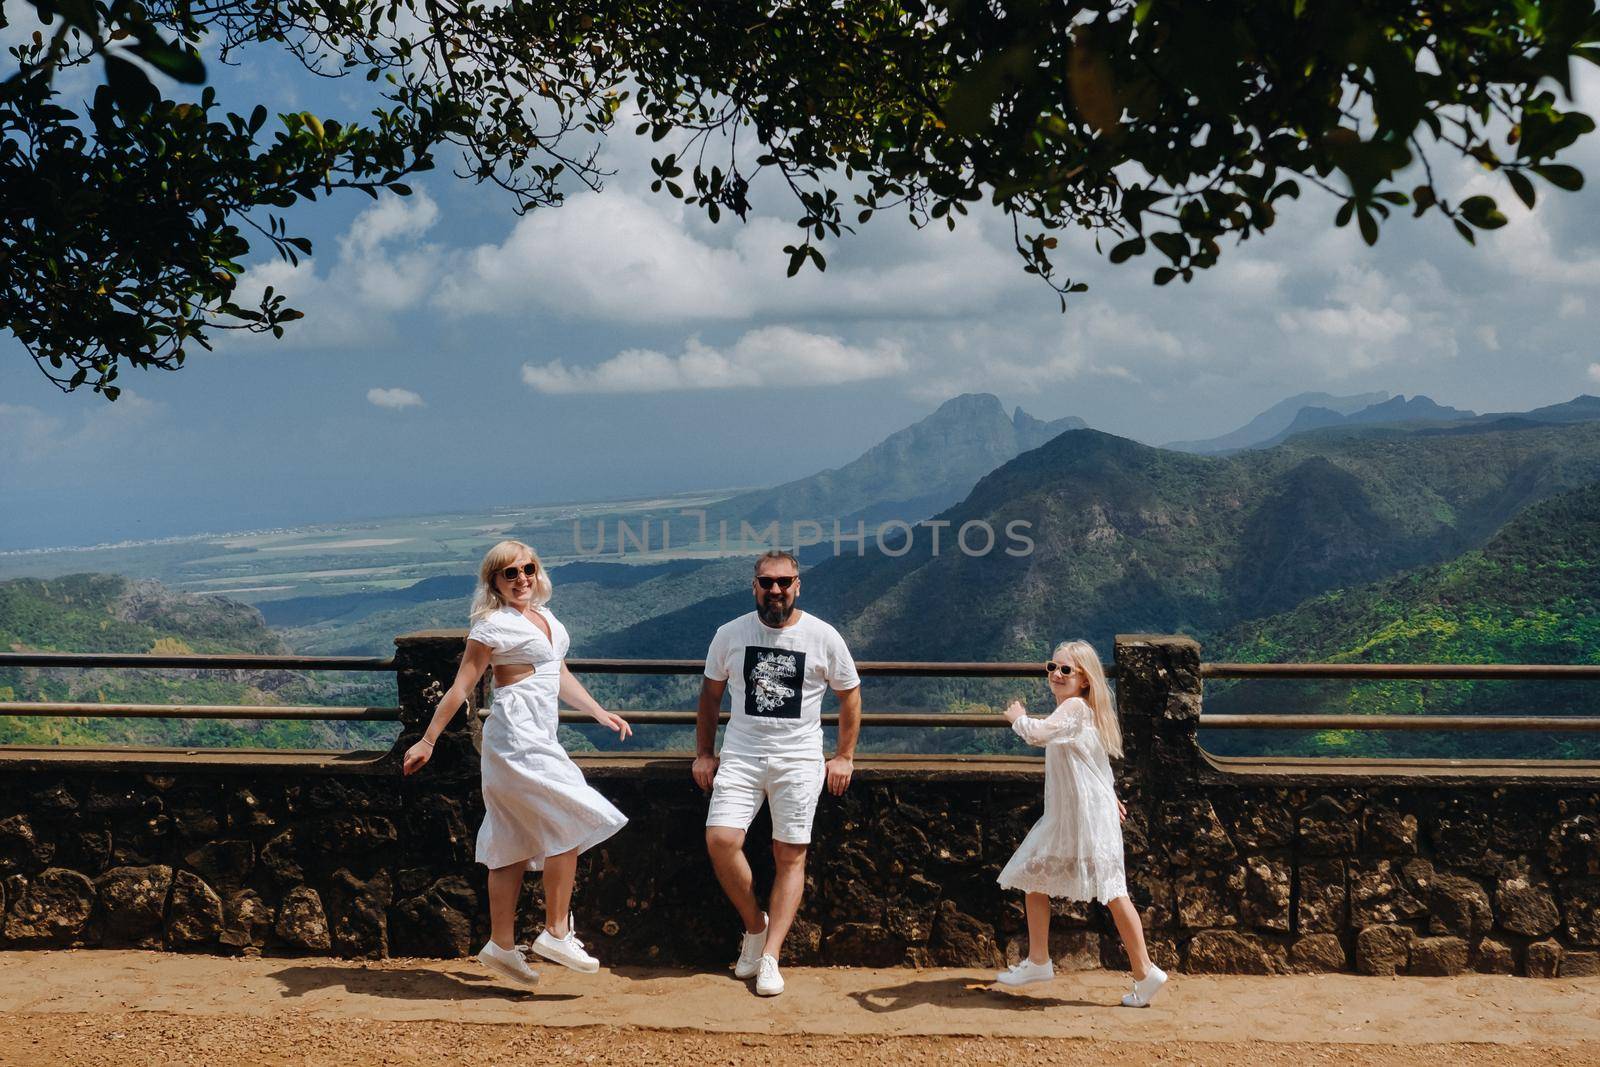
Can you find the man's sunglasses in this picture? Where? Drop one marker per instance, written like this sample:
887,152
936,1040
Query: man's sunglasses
1051,668
510,573
782,581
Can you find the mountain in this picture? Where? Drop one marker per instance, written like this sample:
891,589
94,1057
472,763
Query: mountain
1530,595
1395,411
1273,421
1130,538
1582,408
911,474
109,613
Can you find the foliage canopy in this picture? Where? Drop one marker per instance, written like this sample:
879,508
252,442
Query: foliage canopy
1162,126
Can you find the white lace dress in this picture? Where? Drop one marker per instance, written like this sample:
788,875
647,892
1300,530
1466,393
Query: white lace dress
536,802
1075,850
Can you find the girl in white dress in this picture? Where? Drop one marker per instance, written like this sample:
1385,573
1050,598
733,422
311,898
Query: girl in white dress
539,813
1075,850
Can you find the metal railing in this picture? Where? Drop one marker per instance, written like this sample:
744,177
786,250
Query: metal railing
205,662
1402,671
883,668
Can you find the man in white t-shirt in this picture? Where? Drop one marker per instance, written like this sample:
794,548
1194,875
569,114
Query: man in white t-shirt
776,661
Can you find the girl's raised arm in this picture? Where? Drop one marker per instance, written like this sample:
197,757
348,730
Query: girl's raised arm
1066,723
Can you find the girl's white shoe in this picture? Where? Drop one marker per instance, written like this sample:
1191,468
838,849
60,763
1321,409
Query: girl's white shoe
1025,972
1145,989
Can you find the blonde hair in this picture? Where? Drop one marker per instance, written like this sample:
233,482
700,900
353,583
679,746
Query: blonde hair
486,598
1082,655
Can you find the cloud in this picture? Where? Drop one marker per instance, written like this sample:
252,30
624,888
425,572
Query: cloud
629,258
95,434
1371,319
395,399
774,355
1594,372
357,296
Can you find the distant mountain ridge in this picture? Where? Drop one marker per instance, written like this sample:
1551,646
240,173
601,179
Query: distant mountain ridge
1131,538
911,474
1394,411
1320,411
1275,420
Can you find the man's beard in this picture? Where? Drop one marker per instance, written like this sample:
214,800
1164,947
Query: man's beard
775,615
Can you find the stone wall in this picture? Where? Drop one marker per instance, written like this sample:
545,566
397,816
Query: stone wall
1360,866
1361,870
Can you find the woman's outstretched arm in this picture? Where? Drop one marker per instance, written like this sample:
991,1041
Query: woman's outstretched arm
576,696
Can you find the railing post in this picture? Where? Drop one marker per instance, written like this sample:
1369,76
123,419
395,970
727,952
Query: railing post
425,666
1158,702
437,886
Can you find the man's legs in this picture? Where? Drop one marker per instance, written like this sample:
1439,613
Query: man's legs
736,793
796,786
726,847
788,886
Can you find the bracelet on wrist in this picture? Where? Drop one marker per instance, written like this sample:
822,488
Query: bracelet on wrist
425,741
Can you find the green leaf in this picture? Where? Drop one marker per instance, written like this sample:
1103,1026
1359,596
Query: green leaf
1128,249
1482,212
1522,186
171,60
1369,227
1561,176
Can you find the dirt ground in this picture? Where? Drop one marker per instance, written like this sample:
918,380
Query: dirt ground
125,1007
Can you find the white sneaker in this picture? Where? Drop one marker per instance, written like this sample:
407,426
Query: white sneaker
508,963
567,951
750,949
1145,989
1024,972
769,983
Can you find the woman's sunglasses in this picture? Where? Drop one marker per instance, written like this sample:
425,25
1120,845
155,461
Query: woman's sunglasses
1051,668
510,573
782,581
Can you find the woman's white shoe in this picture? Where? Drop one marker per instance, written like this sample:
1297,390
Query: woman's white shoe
509,963
1145,989
567,951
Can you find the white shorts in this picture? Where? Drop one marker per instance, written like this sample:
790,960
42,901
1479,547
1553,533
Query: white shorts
790,784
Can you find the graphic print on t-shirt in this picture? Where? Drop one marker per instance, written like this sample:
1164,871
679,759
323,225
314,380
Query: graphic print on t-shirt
773,678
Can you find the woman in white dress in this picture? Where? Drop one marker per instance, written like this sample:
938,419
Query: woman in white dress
1075,850
539,813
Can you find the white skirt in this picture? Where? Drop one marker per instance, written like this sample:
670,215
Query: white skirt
536,803
1072,855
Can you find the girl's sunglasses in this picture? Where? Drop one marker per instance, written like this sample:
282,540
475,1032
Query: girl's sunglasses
1051,668
510,573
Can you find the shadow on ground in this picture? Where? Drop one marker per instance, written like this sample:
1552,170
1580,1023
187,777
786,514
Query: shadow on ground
956,993
409,984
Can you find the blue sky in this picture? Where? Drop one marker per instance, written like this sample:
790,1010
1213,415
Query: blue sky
457,356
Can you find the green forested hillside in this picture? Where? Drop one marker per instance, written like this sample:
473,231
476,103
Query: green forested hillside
1128,538
1531,595
107,613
